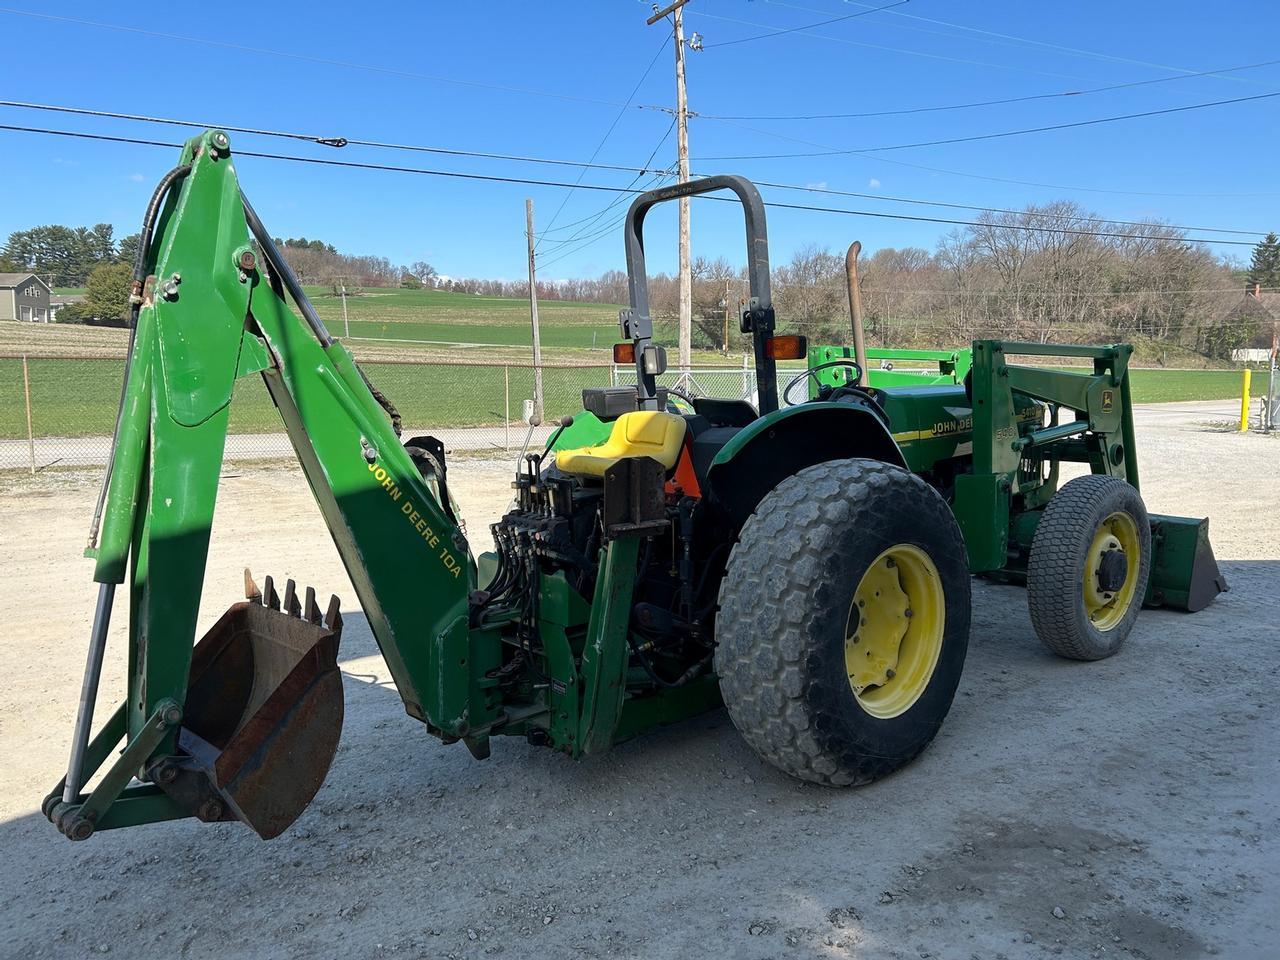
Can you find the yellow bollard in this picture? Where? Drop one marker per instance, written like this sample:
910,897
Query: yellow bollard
1244,401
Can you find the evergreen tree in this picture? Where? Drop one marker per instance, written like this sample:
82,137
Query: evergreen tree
1264,268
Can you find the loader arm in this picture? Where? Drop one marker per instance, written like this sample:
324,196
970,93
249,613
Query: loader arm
211,307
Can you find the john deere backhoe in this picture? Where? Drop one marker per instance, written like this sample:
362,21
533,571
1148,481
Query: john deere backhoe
785,562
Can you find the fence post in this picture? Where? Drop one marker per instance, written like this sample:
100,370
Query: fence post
506,408
31,437
1244,401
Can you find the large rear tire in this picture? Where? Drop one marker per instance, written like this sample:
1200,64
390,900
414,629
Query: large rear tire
844,621
1088,569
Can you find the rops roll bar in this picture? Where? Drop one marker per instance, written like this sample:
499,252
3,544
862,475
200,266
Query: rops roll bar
757,317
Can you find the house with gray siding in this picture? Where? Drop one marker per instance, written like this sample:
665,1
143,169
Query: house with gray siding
24,296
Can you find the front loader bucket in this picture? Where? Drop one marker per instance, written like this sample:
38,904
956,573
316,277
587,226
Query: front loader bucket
264,707
1184,572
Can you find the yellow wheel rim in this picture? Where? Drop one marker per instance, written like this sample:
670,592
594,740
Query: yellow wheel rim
894,632
1106,608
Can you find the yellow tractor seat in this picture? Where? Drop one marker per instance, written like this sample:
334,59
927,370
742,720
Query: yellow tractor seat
642,433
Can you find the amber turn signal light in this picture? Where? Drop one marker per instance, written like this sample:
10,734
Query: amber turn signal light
784,348
624,353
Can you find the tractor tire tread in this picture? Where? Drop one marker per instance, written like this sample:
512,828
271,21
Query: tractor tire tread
1054,567
765,652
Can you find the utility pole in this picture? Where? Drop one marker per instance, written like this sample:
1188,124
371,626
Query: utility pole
346,324
676,11
533,316
725,341
1273,405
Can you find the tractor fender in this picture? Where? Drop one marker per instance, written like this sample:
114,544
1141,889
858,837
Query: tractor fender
778,445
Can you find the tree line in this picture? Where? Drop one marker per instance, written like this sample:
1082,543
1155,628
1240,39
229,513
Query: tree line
1055,271
66,255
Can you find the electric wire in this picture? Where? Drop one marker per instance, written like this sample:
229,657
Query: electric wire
809,26
645,169
1009,38
613,203
903,50
600,146
1002,134
904,111
306,58
603,188
337,142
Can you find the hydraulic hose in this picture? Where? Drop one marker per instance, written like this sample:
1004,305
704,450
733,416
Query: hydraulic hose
135,304
281,268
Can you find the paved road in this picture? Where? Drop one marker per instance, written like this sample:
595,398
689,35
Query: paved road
93,451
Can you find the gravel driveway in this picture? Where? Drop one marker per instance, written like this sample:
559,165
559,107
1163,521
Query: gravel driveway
1127,808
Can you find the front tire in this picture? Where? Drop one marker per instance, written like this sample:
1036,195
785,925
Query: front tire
1088,569
844,622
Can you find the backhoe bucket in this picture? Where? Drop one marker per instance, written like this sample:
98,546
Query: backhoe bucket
264,708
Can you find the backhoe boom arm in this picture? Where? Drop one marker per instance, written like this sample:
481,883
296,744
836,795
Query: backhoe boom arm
213,309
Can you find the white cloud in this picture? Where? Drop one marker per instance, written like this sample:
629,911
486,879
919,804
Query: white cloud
873,183
136,177
820,185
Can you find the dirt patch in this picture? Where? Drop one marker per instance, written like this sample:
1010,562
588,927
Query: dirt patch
1136,795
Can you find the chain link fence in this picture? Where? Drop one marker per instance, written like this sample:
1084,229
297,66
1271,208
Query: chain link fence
60,411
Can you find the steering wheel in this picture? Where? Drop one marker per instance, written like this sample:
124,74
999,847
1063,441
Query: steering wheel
672,406
811,371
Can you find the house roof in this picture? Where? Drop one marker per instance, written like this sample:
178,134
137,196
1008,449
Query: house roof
17,279
1264,307
1271,301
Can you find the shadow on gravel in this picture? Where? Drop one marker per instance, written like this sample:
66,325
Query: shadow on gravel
1129,795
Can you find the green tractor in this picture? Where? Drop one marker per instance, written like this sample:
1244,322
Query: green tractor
785,562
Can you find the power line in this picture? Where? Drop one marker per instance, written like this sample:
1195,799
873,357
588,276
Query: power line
1043,185
988,103
585,223
494,178
307,58
822,23
641,171
337,142
600,146
1011,38
1006,133
902,50
1003,210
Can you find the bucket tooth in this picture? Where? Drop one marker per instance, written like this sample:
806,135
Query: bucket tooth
251,591
310,609
263,713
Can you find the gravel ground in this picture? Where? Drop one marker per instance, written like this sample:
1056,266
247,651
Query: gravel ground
1126,809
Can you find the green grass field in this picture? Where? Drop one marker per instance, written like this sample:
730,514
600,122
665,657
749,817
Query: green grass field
78,397
434,316
73,398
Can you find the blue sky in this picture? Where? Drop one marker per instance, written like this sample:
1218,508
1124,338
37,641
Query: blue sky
549,81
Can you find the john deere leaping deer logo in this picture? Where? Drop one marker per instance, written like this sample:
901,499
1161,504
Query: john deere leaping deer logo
1108,400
